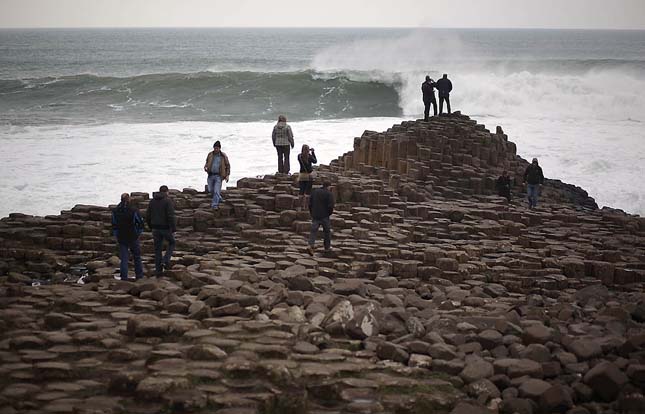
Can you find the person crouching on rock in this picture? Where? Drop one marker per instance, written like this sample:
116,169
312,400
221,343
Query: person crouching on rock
127,225
306,159
503,185
534,179
218,169
282,137
321,207
160,217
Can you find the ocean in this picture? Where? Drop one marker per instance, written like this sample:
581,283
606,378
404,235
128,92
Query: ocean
86,114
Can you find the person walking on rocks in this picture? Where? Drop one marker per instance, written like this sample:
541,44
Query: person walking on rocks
427,88
160,217
534,179
444,86
503,185
127,225
306,159
218,168
282,137
321,207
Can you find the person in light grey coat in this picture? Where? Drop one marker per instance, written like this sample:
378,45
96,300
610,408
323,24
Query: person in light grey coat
282,137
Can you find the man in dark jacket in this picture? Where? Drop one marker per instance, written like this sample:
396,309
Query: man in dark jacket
444,86
127,225
427,88
161,219
534,179
504,186
321,206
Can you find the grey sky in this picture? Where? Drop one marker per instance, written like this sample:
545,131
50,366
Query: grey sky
574,14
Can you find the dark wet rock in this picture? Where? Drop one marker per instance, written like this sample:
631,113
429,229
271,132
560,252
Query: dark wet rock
537,334
533,388
606,380
388,350
518,406
556,400
476,368
585,348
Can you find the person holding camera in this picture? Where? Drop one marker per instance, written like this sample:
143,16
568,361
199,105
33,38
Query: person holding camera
306,158
282,138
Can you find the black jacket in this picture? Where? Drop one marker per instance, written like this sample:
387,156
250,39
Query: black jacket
306,166
127,224
444,86
321,203
503,185
161,213
428,91
533,174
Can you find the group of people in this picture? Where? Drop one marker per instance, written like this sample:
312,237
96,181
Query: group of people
444,87
533,179
128,225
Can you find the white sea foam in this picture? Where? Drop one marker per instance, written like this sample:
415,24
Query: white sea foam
585,124
53,168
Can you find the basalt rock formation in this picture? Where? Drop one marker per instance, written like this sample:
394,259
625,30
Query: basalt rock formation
438,296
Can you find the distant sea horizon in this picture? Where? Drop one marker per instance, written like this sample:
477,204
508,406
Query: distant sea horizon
88,113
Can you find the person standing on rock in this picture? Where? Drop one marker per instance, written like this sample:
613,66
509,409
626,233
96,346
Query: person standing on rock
444,86
503,185
282,137
218,169
321,207
160,217
427,88
127,225
533,178
306,159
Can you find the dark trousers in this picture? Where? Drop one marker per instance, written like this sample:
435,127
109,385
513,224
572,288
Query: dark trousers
426,111
441,99
158,237
124,253
505,192
315,225
283,159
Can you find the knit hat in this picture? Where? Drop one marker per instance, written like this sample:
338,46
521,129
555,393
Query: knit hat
217,144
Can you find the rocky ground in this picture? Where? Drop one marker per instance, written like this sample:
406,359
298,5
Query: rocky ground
438,297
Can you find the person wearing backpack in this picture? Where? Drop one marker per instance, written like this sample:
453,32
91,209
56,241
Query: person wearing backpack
127,225
161,219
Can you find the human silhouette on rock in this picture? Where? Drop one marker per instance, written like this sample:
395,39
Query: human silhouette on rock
427,88
534,178
444,86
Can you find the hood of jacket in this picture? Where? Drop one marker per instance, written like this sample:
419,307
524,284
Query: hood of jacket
158,195
281,124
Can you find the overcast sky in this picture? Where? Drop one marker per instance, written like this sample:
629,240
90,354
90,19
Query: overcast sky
573,14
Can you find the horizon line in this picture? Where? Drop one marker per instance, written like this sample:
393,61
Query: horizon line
318,28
